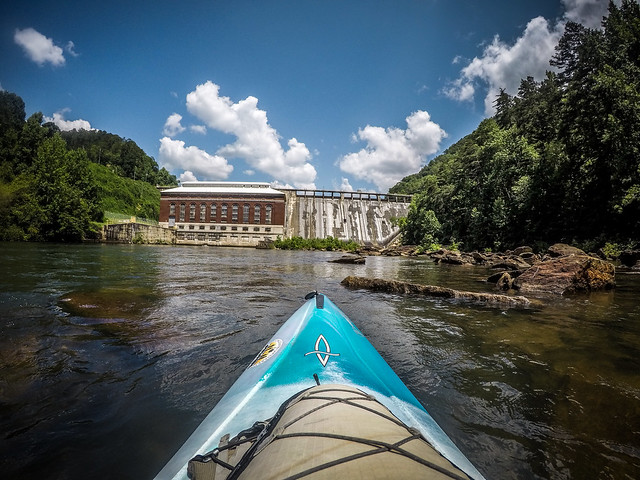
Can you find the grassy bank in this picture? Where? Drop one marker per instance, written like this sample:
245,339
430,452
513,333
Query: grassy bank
329,244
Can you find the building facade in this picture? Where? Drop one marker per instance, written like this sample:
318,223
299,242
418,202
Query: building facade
223,213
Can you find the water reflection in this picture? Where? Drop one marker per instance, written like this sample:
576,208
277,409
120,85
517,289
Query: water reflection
111,355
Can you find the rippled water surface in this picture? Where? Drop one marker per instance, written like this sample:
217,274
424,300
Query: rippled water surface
111,355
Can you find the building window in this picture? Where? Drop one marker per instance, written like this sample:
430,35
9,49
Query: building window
201,227
213,213
234,213
245,229
223,211
245,213
192,212
182,208
203,211
172,209
256,214
267,216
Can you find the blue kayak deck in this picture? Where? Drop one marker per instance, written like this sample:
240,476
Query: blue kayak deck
317,344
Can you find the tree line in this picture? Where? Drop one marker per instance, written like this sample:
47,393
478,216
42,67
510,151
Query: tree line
56,186
559,161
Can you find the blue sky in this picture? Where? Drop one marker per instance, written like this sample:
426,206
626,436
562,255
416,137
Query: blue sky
311,94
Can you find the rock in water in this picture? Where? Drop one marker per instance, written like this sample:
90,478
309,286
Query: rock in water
568,274
405,288
356,260
563,250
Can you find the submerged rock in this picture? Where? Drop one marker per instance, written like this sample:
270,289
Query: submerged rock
405,288
351,259
122,303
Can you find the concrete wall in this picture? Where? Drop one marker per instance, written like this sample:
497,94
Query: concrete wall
364,218
138,233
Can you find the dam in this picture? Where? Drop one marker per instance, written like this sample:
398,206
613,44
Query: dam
252,213
365,218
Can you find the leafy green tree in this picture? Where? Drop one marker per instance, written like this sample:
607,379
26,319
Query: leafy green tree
561,159
12,115
64,191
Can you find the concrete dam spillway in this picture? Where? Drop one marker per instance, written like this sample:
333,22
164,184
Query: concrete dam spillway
366,218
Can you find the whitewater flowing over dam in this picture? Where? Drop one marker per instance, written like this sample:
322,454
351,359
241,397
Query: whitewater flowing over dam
362,217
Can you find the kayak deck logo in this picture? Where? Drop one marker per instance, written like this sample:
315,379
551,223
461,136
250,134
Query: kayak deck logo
267,352
323,355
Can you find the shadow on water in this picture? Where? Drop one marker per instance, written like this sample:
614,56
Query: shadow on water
110,356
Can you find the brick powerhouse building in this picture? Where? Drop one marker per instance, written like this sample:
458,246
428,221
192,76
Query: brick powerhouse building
223,213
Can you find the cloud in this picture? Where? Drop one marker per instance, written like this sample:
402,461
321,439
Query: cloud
67,125
39,48
172,126
257,142
393,153
345,186
175,156
187,176
249,172
71,49
503,66
587,12
201,129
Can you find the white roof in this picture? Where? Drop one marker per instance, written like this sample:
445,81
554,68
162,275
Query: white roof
253,188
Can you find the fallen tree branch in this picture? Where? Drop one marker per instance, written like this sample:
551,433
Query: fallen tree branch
405,288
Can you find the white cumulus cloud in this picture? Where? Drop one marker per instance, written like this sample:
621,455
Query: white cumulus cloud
393,153
172,126
187,176
175,156
200,129
345,186
39,48
67,125
587,12
503,66
257,142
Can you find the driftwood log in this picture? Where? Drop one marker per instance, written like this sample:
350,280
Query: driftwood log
392,286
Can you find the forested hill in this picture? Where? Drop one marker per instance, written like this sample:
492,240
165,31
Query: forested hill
123,156
560,161
57,185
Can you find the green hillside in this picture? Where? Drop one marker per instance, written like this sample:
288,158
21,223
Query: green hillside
57,186
560,161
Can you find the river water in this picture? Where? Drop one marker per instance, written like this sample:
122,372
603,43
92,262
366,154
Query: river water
110,356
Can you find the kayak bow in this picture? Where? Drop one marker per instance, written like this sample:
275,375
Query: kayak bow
318,345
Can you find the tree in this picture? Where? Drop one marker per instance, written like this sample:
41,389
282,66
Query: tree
64,191
12,113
